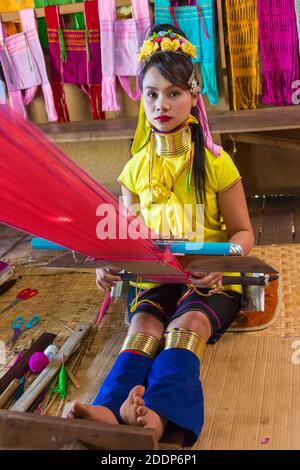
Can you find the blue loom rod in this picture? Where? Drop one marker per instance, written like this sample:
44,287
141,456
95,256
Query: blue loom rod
42,244
180,247
199,248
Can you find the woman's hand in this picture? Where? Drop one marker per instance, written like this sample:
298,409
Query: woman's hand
206,280
106,278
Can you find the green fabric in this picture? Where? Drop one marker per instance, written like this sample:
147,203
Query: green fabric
42,29
46,3
79,21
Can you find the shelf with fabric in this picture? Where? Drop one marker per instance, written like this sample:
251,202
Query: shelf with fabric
221,122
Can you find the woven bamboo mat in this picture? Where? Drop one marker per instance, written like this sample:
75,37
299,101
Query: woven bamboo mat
286,259
68,298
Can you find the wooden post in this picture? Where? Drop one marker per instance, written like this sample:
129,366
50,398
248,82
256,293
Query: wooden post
30,431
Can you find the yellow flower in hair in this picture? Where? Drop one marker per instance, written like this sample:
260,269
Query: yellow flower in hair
148,49
170,45
175,45
189,49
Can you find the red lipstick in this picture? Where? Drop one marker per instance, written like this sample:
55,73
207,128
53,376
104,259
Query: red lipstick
163,118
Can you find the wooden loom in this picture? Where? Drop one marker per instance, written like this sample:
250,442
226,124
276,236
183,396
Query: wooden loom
50,173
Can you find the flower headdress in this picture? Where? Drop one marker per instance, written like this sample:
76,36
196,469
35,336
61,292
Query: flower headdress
166,41
169,41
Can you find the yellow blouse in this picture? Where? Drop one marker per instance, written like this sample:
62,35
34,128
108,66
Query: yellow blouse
168,193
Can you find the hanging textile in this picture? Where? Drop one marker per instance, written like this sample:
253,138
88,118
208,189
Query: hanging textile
279,50
197,21
15,5
75,58
2,90
120,43
297,8
24,66
47,3
79,23
45,193
242,25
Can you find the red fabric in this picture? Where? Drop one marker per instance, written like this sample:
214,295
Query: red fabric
45,193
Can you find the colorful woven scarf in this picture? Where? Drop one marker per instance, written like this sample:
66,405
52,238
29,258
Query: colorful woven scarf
242,24
197,20
297,8
279,50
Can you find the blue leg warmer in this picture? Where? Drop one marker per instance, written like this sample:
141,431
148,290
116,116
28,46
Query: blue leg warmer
174,391
128,371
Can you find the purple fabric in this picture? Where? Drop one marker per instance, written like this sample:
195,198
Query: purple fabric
279,50
73,70
82,64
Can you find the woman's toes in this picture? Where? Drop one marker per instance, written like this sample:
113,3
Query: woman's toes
141,420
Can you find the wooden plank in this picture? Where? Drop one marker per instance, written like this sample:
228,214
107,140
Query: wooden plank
273,141
106,129
145,268
51,370
30,431
9,243
8,392
277,221
221,122
247,264
255,206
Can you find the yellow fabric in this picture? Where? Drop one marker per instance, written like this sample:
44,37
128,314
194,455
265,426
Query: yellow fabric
242,22
142,131
169,188
15,5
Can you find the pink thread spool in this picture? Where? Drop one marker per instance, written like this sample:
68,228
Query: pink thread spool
38,362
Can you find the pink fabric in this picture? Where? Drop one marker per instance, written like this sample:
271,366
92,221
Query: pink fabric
279,50
45,193
209,143
24,65
2,93
120,43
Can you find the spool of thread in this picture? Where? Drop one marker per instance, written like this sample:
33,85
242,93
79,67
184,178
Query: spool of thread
38,362
51,351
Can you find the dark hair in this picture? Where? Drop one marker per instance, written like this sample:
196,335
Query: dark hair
177,69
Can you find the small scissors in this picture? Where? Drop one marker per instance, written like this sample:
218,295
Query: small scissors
16,326
25,294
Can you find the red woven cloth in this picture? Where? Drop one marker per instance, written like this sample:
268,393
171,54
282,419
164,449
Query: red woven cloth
45,193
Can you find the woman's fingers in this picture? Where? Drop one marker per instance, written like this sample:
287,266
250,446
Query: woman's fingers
207,280
217,288
111,277
105,278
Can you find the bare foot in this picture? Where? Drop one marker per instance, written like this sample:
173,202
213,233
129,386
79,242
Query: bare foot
79,410
128,410
148,418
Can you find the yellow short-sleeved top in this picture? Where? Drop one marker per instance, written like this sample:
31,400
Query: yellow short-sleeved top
169,191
